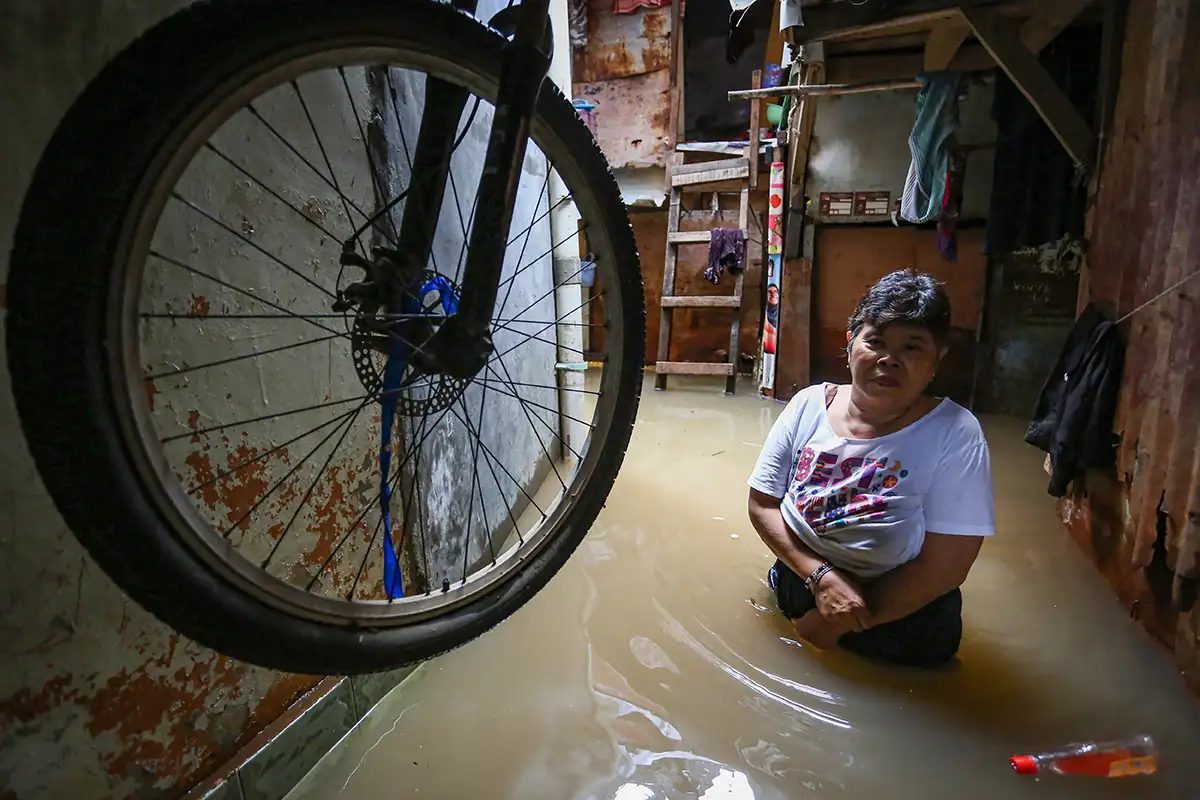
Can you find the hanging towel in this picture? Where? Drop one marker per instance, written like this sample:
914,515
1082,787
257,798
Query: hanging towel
726,251
931,141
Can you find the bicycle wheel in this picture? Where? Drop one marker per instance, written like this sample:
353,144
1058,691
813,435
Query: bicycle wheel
207,417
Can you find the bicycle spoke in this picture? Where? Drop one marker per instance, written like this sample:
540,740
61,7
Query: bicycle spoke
544,214
405,525
346,201
332,184
232,359
373,503
489,458
506,381
528,235
267,454
376,175
553,247
545,328
258,504
301,317
266,417
312,486
239,290
475,479
246,239
536,435
272,192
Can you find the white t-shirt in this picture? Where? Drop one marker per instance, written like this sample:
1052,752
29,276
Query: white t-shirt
865,504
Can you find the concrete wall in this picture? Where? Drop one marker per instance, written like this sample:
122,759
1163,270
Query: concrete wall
97,699
860,143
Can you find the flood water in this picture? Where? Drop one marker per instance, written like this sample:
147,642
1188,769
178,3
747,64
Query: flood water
655,665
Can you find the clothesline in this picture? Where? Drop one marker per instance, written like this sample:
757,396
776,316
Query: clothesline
1160,295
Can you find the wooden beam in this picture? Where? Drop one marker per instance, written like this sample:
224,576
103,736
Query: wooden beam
1050,20
1035,83
827,88
692,368
894,66
701,301
943,43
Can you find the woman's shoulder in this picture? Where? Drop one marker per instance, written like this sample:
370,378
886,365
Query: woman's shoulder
959,425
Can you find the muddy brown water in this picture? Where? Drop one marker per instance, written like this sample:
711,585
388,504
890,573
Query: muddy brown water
655,666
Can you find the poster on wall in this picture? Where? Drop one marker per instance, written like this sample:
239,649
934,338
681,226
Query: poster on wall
774,277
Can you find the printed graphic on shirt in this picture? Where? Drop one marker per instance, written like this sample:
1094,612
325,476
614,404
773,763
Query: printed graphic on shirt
834,492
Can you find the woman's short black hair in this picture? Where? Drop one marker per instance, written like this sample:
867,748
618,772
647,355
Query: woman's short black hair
906,297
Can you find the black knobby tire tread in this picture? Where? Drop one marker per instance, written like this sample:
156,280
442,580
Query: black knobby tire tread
66,237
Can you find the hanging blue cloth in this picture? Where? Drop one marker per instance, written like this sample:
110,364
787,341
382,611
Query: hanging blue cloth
931,141
393,381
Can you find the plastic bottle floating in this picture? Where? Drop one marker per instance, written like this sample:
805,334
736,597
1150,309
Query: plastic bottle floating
1122,758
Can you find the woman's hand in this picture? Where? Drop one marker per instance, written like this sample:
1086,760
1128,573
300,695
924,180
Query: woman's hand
840,602
814,629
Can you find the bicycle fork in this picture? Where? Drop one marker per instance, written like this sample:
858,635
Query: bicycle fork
462,344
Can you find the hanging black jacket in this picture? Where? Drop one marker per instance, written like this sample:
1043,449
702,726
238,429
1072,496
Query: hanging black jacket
1073,421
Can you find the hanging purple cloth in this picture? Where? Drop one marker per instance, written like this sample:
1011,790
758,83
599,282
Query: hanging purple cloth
726,251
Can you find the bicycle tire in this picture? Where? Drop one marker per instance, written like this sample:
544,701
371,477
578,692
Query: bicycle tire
58,346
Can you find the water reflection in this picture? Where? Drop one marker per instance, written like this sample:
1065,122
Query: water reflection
655,666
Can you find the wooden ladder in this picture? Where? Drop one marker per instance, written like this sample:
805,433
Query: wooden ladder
728,176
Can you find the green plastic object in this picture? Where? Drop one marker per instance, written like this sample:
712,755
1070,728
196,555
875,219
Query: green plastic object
774,114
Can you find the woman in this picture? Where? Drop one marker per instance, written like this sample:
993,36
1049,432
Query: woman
875,497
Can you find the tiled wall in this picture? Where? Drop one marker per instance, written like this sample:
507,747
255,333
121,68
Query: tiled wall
275,761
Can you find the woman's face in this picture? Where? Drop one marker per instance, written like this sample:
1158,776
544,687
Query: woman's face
773,294
894,365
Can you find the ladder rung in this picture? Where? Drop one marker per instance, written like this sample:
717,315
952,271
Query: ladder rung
692,368
706,166
692,237
710,301
724,172
689,237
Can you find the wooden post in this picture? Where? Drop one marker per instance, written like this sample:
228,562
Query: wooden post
664,325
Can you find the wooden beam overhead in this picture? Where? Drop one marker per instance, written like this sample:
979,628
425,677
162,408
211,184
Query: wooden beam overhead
944,41
1022,67
1049,21
899,66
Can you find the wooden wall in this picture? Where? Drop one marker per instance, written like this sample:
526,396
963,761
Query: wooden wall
849,259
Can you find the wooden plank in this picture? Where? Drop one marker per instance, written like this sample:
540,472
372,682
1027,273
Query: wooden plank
740,173
689,237
731,186
1034,82
664,368
675,127
1049,21
900,66
664,325
829,88
752,146
704,166
801,142
943,43
735,328
702,301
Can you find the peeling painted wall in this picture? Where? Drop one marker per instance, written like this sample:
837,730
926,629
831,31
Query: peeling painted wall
625,71
1142,524
98,699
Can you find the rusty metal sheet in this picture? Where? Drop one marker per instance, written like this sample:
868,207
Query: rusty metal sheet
633,116
623,45
1143,232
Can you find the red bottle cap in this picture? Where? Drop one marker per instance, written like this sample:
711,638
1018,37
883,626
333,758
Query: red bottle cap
1024,765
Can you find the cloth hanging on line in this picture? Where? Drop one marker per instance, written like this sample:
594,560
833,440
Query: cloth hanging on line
726,251
931,142
1073,420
